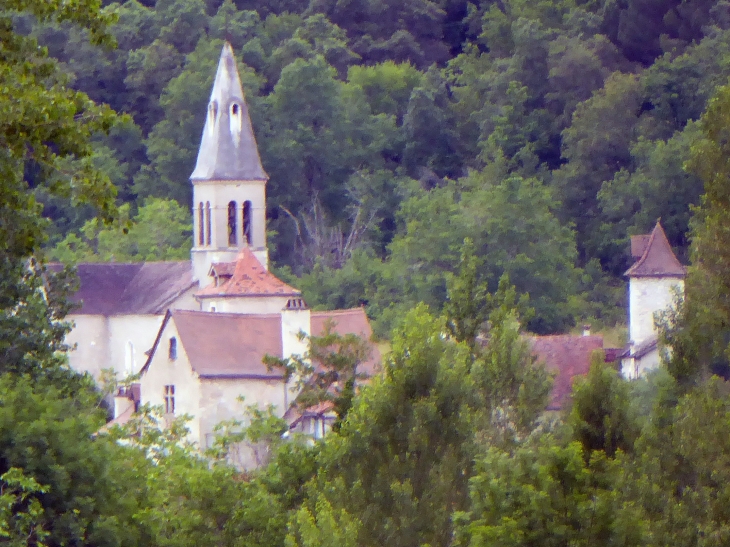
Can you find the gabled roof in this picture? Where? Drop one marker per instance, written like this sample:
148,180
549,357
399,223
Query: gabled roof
138,288
569,356
225,345
245,277
228,148
351,321
657,259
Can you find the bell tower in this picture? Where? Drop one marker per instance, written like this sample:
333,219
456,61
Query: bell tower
229,183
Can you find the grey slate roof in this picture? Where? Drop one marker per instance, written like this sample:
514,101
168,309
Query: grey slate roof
133,288
228,148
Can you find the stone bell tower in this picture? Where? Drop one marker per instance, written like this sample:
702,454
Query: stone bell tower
229,183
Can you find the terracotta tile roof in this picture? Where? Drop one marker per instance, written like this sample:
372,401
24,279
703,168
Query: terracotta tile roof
569,356
228,345
223,269
249,278
111,288
658,259
638,245
351,321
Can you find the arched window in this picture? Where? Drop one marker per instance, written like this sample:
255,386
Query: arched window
201,224
232,228
207,223
235,119
247,221
172,353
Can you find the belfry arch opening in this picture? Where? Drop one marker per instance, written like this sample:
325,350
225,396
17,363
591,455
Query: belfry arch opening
201,225
246,214
232,225
208,236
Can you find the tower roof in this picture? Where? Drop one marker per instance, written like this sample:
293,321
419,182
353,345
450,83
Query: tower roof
657,258
245,277
228,148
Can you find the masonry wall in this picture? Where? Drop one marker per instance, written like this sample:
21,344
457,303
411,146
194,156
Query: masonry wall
90,342
130,337
648,295
164,371
245,304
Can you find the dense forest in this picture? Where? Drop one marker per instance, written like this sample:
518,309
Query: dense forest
546,132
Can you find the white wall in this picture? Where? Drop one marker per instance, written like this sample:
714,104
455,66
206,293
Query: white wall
90,336
245,304
632,368
163,371
140,330
648,295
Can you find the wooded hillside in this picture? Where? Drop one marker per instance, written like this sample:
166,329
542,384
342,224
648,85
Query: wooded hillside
547,132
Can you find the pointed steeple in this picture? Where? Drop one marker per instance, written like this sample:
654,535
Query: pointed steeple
657,258
228,148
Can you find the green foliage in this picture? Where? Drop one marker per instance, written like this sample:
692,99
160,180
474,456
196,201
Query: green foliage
601,416
545,493
93,485
161,230
19,512
328,370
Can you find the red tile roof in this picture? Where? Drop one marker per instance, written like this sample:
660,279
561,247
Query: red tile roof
569,356
247,278
139,288
351,321
638,245
658,259
226,345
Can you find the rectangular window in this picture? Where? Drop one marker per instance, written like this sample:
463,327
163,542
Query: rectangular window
169,399
172,353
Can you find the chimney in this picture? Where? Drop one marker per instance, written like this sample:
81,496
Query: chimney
586,330
123,400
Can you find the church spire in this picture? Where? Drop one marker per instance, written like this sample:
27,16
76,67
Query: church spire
228,148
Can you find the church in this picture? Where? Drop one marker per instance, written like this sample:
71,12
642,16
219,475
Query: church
196,332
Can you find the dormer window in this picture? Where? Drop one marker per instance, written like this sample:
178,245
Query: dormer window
212,115
236,120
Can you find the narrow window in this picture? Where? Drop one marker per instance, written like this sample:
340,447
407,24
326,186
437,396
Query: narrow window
169,399
232,235
212,115
207,223
247,221
172,354
201,224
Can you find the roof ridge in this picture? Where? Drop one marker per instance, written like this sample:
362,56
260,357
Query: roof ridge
343,311
225,314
